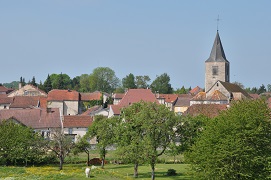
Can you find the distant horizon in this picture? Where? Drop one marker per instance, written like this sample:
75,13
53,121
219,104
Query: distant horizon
38,38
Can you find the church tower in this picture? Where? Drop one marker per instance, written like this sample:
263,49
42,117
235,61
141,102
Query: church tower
217,67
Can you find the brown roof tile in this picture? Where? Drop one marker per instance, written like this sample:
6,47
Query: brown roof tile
183,100
77,121
35,118
25,102
217,96
169,98
90,110
4,99
209,110
118,95
201,96
63,95
137,95
116,109
90,96
195,90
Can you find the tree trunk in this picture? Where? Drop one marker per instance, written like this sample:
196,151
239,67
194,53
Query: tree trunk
103,159
136,170
88,159
61,160
152,171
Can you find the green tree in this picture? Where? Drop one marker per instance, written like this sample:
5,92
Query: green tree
261,89
84,83
60,81
149,131
33,81
181,91
48,84
234,145
142,82
104,130
162,84
82,145
129,82
75,83
60,144
103,79
18,144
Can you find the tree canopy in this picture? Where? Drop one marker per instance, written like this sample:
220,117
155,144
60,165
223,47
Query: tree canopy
162,84
129,81
234,145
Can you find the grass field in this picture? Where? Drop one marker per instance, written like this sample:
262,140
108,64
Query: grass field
76,171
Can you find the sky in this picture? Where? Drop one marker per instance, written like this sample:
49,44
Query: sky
142,37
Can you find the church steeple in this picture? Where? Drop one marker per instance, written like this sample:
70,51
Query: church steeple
217,53
217,67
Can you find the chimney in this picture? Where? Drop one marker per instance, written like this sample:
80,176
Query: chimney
20,85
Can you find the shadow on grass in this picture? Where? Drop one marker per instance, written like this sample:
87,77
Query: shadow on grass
120,166
163,175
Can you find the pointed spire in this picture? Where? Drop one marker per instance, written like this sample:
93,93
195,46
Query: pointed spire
217,53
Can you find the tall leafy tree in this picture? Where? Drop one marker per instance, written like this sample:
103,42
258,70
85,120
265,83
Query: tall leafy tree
75,83
261,89
142,81
33,81
103,79
148,129
18,144
82,145
48,84
129,82
234,145
85,83
104,130
162,84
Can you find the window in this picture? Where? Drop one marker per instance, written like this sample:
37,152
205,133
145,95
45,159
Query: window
70,130
215,70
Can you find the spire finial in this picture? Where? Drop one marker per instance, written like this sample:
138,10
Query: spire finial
217,23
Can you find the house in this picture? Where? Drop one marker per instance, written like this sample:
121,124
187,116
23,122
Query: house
5,101
96,110
130,97
215,98
41,120
76,126
66,100
28,90
182,103
168,99
195,90
117,98
4,90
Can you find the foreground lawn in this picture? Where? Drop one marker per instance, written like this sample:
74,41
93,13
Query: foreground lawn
76,171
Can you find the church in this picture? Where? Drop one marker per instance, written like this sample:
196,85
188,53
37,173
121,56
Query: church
218,89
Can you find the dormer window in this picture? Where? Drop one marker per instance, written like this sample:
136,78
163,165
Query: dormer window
215,70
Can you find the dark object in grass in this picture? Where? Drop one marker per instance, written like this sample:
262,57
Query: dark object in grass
171,172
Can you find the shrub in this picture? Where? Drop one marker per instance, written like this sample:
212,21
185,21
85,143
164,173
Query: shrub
171,172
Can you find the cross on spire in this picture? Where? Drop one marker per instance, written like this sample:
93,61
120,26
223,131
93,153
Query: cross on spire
217,22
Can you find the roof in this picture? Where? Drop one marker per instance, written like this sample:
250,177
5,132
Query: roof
234,88
116,109
118,95
217,96
77,121
90,110
209,110
195,90
183,100
201,96
169,98
137,95
217,53
34,118
5,89
255,96
90,96
25,102
63,95
28,90
4,99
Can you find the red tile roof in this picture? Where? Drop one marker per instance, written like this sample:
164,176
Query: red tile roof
25,102
218,96
116,109
183,100
4,99
43,102
118,95
255,96
195,90
63,95
5,90
35,118
209,110
201,96
169,98
137,95
88,111
90,96
77,121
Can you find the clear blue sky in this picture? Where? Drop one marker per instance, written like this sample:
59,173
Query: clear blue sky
143,37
